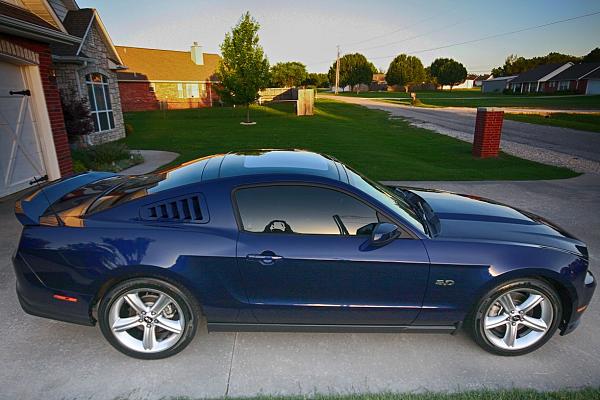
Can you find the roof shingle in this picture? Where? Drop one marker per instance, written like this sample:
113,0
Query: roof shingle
8,10
534,75
577,71
76,23
165,65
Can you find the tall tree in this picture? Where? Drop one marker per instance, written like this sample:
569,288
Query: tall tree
405,70
288,74
317,79
514,65
244,69
354,70
448,71
592,56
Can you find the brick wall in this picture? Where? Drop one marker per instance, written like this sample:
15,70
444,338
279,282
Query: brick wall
51,94
140,96
488,132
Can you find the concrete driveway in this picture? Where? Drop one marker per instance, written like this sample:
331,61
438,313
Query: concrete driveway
54,360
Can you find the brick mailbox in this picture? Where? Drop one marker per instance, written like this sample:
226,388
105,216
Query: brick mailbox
488,131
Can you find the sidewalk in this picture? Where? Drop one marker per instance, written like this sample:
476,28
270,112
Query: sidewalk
153,159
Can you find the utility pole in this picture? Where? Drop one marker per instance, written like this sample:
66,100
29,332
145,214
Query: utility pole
337,71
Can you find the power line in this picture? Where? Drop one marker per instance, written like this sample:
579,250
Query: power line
442,13
413,37
495,35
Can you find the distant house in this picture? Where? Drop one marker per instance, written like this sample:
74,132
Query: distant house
466,84
533,80
88,70
496,85
171,79
593,82
573,79
378,83
479,80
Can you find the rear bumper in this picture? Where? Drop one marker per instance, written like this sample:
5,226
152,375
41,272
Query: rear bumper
36,299
586,294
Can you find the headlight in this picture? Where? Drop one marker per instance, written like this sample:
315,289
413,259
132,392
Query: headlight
589,278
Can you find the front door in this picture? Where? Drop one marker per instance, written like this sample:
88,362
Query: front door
305,258
20,153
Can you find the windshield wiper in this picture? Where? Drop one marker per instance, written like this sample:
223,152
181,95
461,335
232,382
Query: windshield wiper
416,204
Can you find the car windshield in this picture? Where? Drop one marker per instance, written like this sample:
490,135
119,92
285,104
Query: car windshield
387,197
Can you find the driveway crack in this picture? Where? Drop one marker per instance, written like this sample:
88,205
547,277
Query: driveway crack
231,364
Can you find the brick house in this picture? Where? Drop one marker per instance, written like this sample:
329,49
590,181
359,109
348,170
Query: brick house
88,70
167,79
33,140
533,80
573,79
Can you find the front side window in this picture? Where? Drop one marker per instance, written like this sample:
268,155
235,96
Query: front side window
563,85
100,104
303,210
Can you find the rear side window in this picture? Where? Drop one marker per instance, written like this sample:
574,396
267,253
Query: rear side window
303,210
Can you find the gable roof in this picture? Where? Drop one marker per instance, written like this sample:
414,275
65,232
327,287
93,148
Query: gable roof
44,10
534,75
483,77
11,11
165,65
78,23
593,75
577,71
22,22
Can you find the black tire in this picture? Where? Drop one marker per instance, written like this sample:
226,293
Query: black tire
475,321
186,302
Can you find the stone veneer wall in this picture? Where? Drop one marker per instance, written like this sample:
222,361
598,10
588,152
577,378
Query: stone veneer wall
71,79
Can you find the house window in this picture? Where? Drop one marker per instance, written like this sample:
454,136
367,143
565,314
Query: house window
152,87
563,85
191,90
100,104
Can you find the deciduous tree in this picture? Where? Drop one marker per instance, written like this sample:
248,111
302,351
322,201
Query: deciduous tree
448,71
244,68
354,70
405,70
288,74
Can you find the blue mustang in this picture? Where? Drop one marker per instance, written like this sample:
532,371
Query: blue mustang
291,240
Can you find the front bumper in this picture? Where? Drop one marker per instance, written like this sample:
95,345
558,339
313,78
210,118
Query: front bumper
37,299
585,297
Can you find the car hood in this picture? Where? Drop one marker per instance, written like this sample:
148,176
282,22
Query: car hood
466,217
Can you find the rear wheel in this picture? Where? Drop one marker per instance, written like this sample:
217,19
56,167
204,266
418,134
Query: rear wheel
148,318
516,318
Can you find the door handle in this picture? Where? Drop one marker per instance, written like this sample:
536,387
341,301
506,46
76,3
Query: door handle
265,259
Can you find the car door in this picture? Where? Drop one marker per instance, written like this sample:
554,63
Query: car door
305,257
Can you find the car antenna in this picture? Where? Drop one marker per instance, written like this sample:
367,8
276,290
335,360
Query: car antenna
37,181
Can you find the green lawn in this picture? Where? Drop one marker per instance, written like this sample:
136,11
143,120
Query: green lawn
474,98
366,139
517,394
584,122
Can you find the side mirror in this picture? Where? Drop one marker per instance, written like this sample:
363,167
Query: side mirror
383,233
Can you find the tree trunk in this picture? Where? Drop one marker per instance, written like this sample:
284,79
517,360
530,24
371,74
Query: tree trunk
248,112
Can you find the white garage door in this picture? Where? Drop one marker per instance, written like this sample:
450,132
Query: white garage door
593,86
20,153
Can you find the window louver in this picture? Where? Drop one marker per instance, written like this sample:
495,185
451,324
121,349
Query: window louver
190,208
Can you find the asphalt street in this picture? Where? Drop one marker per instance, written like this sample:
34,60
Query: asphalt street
55,360
573,142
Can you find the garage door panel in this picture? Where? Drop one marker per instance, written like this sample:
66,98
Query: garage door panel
20,152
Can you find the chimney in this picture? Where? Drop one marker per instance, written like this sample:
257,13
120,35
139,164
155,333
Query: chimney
197,55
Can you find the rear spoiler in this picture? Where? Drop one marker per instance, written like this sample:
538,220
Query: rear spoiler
29,209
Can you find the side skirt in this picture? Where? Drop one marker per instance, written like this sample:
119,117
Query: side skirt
241,327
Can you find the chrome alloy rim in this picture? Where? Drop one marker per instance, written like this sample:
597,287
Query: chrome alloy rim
518,319
146,320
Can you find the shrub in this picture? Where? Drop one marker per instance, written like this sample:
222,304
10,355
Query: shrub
76,113
79,166
112,156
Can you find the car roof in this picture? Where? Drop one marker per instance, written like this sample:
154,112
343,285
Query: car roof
252,162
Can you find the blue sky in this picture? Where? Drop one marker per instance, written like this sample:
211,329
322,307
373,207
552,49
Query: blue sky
309,30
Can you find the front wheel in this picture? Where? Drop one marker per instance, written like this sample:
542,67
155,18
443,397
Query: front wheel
516,318
148,318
